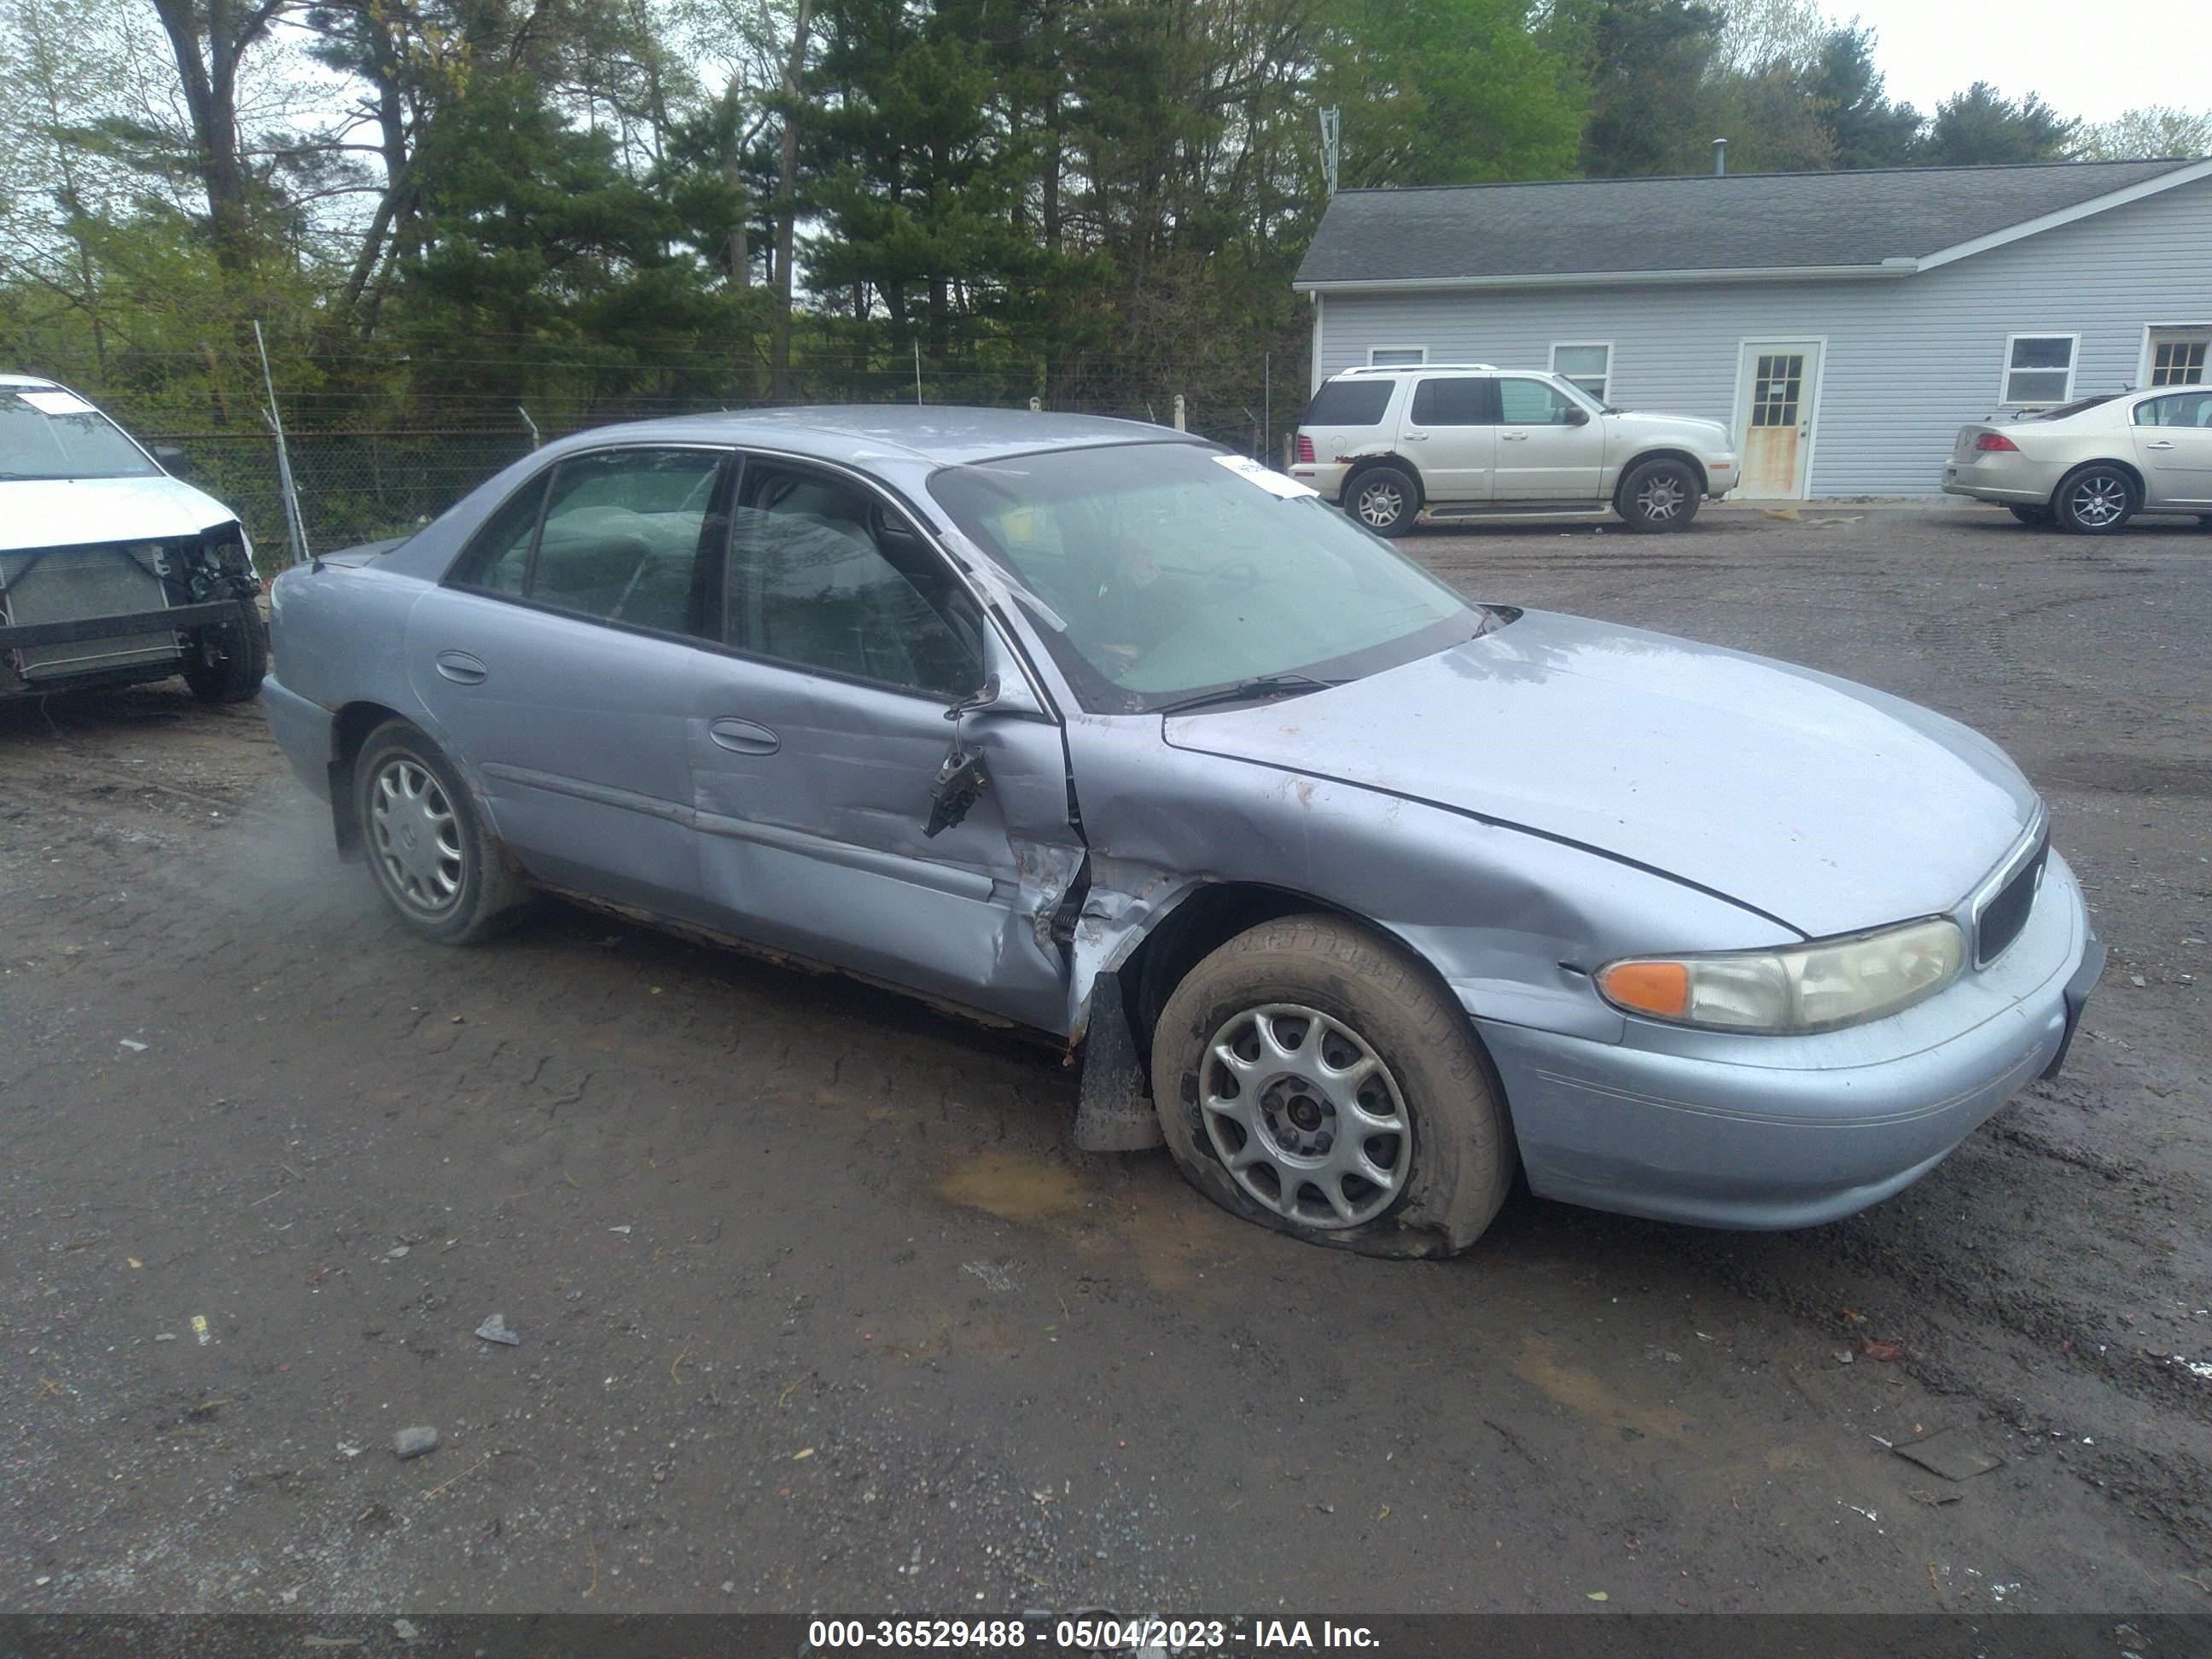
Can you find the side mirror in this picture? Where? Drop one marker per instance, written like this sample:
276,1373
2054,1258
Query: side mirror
982,697
1577,415
173,460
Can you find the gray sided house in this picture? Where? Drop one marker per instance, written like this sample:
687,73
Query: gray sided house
1844,324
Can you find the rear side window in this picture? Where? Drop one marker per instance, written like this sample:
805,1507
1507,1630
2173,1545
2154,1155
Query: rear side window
1349,403
622,535
2182,409
1461,401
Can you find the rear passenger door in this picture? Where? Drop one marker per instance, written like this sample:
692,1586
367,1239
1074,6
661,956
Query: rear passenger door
2173,443
1451,436
558,661
817,735
1544,451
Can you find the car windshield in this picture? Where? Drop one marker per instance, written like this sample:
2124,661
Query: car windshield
47,433
1168,570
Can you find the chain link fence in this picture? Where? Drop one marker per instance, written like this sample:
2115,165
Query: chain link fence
364,486
360,486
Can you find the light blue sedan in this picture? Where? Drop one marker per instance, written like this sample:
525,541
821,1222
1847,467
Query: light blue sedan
1359,896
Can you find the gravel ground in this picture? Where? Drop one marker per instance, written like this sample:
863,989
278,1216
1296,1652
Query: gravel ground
816,1310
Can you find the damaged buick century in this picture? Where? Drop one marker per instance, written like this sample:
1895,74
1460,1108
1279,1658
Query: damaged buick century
1359,895
111,572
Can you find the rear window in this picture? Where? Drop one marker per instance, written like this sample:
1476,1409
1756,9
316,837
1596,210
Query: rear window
2073,408
1349,403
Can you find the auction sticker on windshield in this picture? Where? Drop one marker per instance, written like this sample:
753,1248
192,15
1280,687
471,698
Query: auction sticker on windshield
56,402
1274,482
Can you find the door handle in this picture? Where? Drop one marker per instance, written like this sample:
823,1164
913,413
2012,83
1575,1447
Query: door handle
1415,437
743,737
2163,443
461,668
1513,437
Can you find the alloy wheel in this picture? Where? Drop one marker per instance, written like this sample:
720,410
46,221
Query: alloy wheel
418,837
1660,499
1305,1116
2098,499
1381,506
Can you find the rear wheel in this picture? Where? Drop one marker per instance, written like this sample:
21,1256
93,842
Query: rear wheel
2096,500
2038,516
1385,499
436,862
1659,496
1314,1078
225,663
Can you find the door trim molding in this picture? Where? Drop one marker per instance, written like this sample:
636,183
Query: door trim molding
916,873
1739,415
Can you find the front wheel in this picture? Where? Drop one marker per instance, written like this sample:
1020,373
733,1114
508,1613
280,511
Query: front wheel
1384,500
436,862
2096,500
1660,495
2037,517
1314,1078
225,663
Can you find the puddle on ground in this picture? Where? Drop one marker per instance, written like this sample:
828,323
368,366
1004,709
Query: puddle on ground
1014,1185
1585,1393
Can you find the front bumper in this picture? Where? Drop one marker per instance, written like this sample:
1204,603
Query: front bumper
1722,1131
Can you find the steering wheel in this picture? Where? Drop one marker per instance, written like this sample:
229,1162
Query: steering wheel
1241,573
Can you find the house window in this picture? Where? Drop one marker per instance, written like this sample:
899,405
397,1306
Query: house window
2176,355
2039,368
1590,367
1396,357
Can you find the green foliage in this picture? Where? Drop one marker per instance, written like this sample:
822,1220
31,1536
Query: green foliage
1980,127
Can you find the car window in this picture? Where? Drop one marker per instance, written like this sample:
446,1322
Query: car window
47,433
498,556
2182,408
621,536
1532,402
1349,403
823,575
1457,400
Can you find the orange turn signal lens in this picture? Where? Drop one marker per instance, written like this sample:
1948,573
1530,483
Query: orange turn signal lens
1656,988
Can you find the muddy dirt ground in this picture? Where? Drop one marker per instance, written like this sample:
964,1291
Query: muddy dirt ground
817,1310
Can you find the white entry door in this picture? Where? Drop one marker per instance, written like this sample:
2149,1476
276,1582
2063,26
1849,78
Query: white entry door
1780,386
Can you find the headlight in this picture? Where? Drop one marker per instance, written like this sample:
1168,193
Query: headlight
1806,987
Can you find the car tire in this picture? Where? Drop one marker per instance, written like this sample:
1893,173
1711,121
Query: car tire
225,663
2037,518
1659,496
1384,499
428,846
2096,500
1324,995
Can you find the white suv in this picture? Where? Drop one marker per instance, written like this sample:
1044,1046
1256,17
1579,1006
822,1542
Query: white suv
1469,439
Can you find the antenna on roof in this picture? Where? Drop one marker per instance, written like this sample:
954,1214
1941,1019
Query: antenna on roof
1332,148
1720,158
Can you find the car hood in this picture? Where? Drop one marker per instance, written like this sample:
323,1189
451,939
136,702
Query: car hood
1690,428
73,512
1829,806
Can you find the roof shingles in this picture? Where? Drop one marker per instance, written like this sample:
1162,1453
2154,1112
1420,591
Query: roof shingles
1742,222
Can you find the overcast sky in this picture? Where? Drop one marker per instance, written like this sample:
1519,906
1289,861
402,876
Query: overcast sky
2093,58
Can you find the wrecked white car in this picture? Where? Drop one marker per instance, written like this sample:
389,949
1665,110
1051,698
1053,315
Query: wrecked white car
1359,895
111,570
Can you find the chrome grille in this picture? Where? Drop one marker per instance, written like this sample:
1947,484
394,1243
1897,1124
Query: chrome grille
77,584
2000,920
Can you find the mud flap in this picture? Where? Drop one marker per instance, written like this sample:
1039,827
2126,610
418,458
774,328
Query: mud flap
1113,1113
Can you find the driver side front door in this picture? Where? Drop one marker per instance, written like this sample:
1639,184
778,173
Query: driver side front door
817,734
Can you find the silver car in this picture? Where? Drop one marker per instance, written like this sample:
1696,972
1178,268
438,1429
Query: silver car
1358,895
2090,465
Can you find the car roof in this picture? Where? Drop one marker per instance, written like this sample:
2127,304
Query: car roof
857,433
33,380
1383,371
